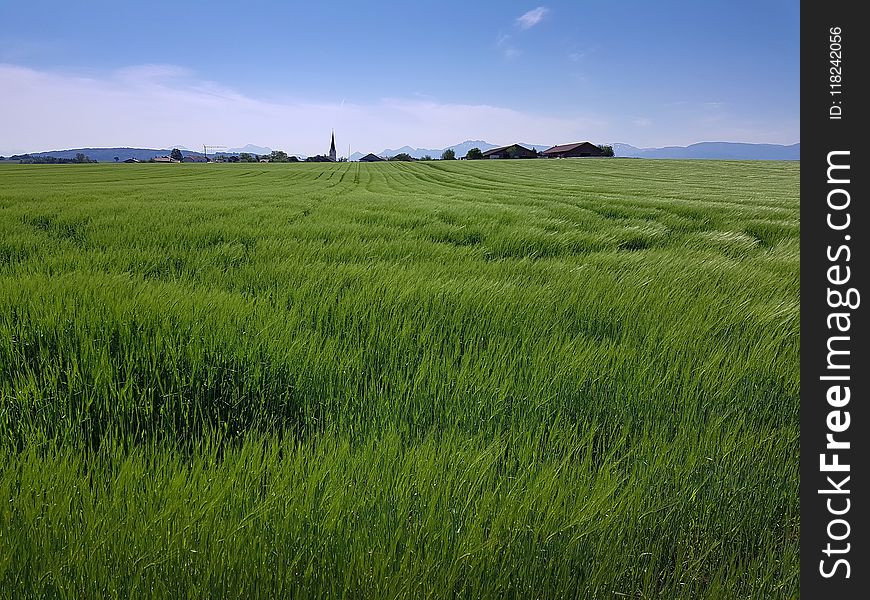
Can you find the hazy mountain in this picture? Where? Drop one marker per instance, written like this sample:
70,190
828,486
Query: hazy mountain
714,150
250,149
460,149
415,152
105,154
702,150
626,150
109,154
538,147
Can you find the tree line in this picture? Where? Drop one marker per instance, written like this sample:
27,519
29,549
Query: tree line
275,156
26,159
477,154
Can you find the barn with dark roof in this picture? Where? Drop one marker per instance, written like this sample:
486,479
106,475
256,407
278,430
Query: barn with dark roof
371,158
580,149
512,151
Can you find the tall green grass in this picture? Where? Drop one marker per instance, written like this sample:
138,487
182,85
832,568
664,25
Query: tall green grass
432,380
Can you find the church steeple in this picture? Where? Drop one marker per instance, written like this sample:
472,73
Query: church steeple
332,148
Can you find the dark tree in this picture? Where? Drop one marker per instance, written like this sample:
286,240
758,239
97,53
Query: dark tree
607,150
474,154
176,155
448,154
425,157
402,156
278,156
117,159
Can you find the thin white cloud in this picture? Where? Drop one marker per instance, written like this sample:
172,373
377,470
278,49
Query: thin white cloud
532,18
155,105
154,73
505,45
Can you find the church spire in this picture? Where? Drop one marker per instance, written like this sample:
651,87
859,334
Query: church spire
332,148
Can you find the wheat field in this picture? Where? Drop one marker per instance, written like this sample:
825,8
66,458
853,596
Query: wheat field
447,379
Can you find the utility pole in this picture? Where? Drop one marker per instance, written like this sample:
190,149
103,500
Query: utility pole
206,148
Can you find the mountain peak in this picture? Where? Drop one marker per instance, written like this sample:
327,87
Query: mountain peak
714,151
250,149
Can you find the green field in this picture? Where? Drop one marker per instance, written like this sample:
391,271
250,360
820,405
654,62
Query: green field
495,379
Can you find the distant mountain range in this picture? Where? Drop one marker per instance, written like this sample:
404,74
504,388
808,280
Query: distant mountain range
702,150
101,154
460,150
714,150
250,149
109,154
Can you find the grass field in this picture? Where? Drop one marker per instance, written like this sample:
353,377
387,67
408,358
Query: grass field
500,379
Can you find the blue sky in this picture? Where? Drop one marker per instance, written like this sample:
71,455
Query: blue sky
283,74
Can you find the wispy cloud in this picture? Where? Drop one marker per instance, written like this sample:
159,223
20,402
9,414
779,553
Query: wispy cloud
506,46
155,105
532,18
152,106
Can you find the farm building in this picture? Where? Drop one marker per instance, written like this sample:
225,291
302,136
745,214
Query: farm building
512,151
573,150
371,158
